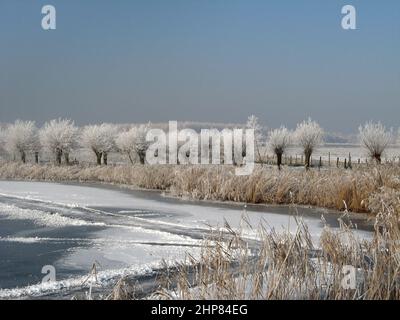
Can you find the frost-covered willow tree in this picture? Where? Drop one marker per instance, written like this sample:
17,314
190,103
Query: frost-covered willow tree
374,138
125,142
308,135
133,142
253,123
100,139
59,136
140,143
36,146
278,141
20,138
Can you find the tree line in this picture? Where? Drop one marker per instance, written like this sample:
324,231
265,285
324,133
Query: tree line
60,137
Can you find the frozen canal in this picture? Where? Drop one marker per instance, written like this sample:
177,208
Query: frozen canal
71,227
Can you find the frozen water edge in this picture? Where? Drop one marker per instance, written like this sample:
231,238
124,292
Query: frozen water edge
135,233
103,279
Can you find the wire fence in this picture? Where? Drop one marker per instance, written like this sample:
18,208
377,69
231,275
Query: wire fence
346,162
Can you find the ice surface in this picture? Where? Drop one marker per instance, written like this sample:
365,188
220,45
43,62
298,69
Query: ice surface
122,232
42,218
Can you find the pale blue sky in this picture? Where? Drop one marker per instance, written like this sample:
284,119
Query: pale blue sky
201,60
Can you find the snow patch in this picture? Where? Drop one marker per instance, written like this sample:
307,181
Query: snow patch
42,218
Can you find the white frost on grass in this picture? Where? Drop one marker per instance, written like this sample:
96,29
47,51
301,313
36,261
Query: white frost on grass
42,218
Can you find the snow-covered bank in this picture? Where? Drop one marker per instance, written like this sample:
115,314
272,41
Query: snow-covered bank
75,226
79,284
330,187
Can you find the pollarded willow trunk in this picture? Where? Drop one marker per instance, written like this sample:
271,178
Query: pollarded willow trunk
307,155
23,156
142,157
279,159
98,157
58,156
105,158
66,158
378,158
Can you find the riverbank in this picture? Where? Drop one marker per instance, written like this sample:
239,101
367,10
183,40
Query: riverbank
127,233
337,189
285,257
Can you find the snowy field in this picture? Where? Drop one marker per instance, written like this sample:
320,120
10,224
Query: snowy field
72,227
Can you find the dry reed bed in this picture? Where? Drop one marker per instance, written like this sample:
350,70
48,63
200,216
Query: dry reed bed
285,265
288,266
332,188
138,176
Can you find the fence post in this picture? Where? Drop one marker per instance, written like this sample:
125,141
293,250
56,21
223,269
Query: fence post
329,159
337,162
349,160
